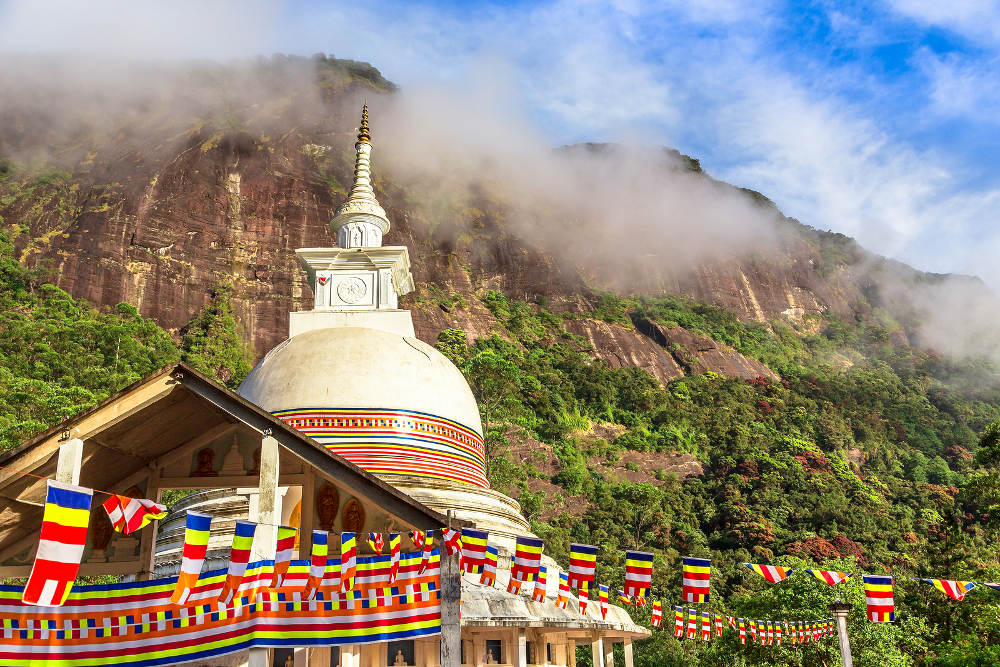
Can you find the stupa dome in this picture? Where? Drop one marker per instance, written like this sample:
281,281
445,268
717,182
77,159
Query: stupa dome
390,404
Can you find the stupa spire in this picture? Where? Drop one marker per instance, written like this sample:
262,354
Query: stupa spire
360,221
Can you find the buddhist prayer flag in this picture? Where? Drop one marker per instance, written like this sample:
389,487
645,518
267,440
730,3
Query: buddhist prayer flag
376,542
473,549
878,594
489,575
770,633
657,613
583,605
317,564
349,561
128,515
582,565
541,583
692,627
60,545
602,596
732,621
452,541
283,555
425,560
697,573
777,633
638,573
394,548
623,599
192,555
239,556
718,625
753,630
563,598
706,626
772,573
527,559
678,622
743,632
829,576
762,632
417,537
956,590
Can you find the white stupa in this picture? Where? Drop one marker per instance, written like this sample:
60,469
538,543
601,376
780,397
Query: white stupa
354,377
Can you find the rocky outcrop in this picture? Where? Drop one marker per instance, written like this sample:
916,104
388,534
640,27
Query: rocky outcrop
696,354
621,347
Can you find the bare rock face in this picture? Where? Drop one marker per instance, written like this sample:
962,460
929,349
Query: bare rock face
621,347
696,355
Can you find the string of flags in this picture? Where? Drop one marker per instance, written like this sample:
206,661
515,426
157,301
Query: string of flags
66,518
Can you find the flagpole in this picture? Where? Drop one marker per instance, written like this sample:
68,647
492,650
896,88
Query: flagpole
840,611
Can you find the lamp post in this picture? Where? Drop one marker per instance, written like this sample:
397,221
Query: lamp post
840,611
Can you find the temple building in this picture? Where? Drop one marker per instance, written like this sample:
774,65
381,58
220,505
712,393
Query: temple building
351,424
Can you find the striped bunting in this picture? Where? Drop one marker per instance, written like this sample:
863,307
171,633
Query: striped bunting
527,559
678,622
638,573
538,594
192,554
489,575
473,549
692,626
624,599
417,537
239,556
697,573
283,554
318,562
718,625
60,544
706,626
878,595
135,624
394,551
657,613
771,573
602,597
376,543
829,576
128,515
428,550
956,590
452,541
563,598
582,565
349,561
743,631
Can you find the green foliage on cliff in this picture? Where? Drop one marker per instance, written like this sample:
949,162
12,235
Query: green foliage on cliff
863,458
213,342
59,355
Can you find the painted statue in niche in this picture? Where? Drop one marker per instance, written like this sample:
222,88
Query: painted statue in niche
354,516
327,504
205,461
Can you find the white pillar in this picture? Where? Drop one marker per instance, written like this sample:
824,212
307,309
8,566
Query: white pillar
597,650
520,657
70,461
629,661
350,655
609,653
265,542
840,611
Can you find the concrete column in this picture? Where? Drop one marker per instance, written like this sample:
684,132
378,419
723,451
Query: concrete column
840,611
451,608
319,656
609,653
350,655
571,654
520,657
478,656
70,461
597,650
629,661
265,542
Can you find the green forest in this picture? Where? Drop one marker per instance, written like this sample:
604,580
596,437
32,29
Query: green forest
866,456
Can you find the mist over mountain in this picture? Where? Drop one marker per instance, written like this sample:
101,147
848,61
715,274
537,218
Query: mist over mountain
153,183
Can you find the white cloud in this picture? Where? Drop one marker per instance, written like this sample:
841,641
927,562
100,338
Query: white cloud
974,19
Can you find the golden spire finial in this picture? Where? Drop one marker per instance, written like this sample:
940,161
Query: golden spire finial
363,136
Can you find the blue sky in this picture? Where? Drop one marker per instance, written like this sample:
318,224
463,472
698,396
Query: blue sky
879,120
